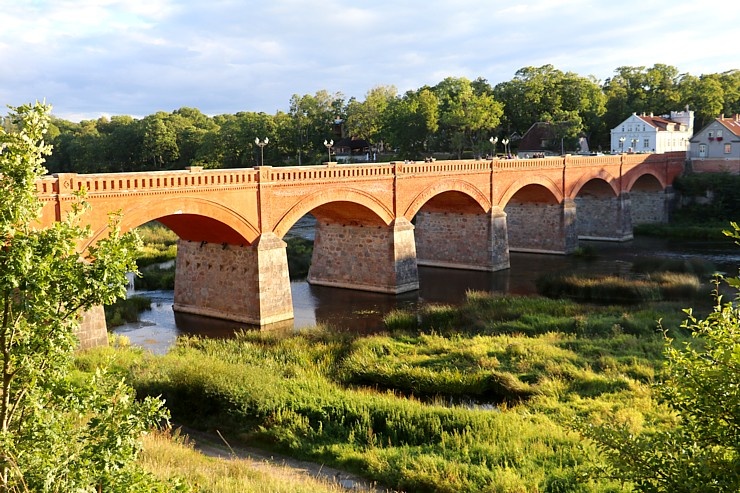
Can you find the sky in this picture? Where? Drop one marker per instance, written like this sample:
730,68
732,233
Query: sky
93,58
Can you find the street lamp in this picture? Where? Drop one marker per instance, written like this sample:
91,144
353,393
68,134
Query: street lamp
505,142
329,145
493,141
262,145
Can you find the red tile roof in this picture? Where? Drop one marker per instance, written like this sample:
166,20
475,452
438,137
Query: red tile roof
732,124
659,122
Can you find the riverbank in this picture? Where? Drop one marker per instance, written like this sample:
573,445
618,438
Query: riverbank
485,396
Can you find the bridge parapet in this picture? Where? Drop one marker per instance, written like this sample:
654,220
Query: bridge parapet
441,167
510,164
322,172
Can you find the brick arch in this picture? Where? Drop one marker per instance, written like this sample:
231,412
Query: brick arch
603,175
632,177
547,183
447,186
190,218
326,197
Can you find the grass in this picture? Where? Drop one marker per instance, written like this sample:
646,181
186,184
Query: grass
483,397
657,286
126,310
168,456
160,244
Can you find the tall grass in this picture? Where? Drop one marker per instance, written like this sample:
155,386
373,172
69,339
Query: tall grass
126,310
616,289
160,244
166,457
476,398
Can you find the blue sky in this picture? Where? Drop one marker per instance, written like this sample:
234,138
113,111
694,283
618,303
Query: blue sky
90,58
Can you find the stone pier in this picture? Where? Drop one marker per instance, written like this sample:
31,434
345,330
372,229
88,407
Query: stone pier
605,218
368,258
542,227
92,331
461,240
248,284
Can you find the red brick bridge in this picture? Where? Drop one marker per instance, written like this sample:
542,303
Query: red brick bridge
375,223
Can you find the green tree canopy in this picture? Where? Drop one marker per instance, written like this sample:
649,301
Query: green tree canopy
58,432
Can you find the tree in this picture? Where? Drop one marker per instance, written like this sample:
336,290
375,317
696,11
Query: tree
160,141
410,121
365,119
58,432
701,453
467,117
540,93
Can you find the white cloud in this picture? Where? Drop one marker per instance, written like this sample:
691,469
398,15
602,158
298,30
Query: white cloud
94,57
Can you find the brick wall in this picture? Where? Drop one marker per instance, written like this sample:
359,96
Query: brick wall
93,331
371,258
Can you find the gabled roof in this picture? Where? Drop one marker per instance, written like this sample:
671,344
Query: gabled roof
659,122
532,138
732,124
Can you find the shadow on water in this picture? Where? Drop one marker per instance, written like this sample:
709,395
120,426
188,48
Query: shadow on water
363,312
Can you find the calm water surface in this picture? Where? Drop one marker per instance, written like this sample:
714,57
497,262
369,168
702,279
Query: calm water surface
363,311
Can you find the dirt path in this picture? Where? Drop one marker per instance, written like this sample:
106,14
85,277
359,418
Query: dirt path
214,445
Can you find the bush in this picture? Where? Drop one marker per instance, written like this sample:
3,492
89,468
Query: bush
126,310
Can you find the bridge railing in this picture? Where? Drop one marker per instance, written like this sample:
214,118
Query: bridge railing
150,180
304,173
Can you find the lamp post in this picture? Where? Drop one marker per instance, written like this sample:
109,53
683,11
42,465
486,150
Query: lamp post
505,142
329,145
493,141
262,144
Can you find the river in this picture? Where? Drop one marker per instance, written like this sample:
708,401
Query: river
362,311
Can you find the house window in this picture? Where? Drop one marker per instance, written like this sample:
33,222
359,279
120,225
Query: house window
719,133
728,148
646,143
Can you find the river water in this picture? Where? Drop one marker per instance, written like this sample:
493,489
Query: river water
363,311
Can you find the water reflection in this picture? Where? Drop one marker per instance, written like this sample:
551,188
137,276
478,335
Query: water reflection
363,312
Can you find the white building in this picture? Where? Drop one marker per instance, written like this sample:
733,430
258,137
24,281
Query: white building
656,134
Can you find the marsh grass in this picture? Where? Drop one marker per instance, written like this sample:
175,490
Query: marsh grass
126,310
403,408
159,244
156,277
617,289
167,456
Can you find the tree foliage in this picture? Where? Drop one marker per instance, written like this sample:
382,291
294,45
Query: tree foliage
701,452
58,432
460,118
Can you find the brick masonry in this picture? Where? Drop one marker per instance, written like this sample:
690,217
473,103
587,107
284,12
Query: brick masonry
542,227
374,258
232,262
604,218
462,240
247,284
93,331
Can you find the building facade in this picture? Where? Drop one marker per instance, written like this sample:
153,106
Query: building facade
716,147
647,133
